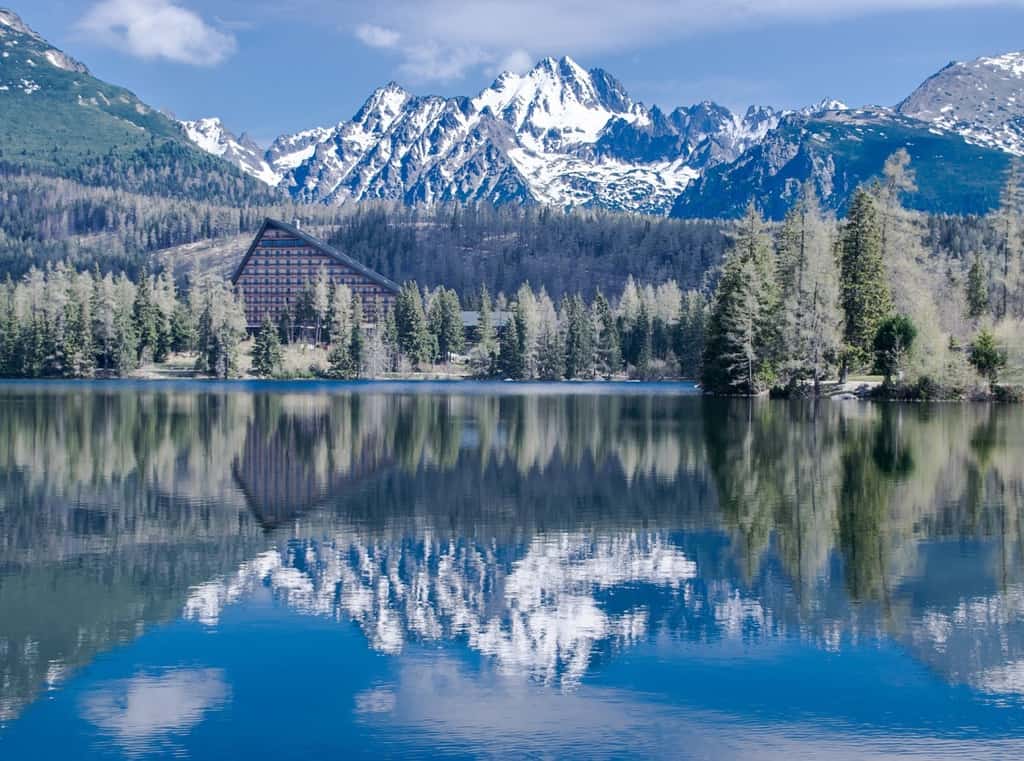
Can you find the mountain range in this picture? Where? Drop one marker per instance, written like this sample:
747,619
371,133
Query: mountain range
567,136
559,134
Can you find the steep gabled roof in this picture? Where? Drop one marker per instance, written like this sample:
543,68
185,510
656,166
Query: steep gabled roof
320,246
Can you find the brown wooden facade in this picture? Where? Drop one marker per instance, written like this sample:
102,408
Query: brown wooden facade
282,260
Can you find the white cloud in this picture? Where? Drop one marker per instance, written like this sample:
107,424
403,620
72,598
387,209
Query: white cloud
377,36
518,61
144,709
443,39
155,29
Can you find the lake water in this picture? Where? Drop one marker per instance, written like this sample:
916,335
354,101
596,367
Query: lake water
304,571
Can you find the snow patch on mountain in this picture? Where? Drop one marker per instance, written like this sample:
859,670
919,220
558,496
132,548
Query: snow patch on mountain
211,135
982,100
558,134
11,26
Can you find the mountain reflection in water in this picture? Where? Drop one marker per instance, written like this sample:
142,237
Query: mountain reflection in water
555,537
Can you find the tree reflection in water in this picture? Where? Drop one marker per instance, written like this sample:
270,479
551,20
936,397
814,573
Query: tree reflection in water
547,532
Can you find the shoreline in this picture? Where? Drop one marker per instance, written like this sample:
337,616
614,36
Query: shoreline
420,383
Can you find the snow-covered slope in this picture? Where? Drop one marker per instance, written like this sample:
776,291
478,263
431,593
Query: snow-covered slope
983,100
214,138
559,134
570,137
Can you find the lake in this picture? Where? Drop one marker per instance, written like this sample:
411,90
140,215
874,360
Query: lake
297,571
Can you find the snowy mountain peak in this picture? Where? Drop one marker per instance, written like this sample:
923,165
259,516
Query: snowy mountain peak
983,100
382,107
558,134
557,103
823,105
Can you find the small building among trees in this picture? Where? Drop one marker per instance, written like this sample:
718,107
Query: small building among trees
284,268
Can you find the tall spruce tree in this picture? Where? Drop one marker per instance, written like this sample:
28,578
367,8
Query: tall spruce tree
414,338
267,356
445,320
742,336
688,342
579,339
644,331
510,353
977,288
609,351
864,292
146,316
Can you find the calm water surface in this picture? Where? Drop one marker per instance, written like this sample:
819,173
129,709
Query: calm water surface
313,571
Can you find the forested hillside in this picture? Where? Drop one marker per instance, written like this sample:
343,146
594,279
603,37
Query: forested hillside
59,120
45,220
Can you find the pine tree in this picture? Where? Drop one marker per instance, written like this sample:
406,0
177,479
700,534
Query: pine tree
741,343
644,333
864,292
510,354
267,356
339,361
986,357
579,339
609,353
894,339
977,289
146,317
347,354
550,354
285,327
414,338
689,333
183,329
445,321
221,327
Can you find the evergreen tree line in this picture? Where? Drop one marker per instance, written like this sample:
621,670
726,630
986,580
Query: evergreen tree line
788,307
649,332
817,298
60,323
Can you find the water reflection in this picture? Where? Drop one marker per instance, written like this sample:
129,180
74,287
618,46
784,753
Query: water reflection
147,711
550,535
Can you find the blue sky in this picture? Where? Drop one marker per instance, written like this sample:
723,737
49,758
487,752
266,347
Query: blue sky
276,66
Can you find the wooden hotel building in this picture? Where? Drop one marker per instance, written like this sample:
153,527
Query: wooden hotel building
282,260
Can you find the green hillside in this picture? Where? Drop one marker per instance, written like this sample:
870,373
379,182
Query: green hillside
56,118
